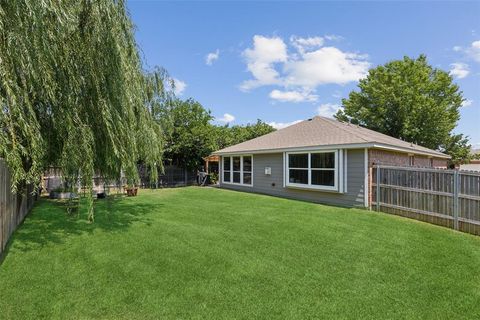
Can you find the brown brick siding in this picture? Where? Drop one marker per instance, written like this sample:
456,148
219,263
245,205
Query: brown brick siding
440,163
377,156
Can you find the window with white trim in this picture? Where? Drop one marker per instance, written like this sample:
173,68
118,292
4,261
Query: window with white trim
237,170
314,170
247,169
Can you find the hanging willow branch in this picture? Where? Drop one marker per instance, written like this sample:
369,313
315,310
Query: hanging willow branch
72,91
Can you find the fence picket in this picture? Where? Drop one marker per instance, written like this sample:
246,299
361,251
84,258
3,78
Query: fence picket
449,198
13,207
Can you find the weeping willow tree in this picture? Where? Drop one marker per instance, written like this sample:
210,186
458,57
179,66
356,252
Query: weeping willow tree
72,92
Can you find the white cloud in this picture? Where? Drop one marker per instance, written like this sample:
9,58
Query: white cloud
337,94
326,65
306,44
227,118
328,109
333,37
261,59
473,51
211,57
467,103
180,86
309,66
459,70
281,125
293,96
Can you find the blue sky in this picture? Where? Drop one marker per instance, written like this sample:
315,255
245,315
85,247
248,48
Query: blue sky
287,61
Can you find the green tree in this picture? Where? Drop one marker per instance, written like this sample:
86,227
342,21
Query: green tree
189,135
251,131
227,136
72,92
410,100
458,147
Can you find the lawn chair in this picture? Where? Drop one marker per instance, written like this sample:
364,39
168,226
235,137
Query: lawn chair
202,178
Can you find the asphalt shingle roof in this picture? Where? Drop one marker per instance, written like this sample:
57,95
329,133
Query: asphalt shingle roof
321,131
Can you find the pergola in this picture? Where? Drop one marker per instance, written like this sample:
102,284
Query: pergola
212,158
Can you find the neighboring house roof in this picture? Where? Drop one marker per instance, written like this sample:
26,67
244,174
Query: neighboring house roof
473,166
325,132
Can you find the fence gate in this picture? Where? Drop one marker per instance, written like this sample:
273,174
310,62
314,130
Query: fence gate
449,198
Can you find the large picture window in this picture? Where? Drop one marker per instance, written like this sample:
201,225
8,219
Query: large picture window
316,170
237,170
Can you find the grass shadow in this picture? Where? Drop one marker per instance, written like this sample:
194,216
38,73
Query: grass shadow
49,222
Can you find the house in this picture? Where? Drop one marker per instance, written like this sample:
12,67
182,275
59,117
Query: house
473,165
320,160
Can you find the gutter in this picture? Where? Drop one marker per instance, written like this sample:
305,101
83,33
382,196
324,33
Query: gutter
337,146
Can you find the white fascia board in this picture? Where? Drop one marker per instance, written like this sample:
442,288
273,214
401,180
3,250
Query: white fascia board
411,151
309,148
337,146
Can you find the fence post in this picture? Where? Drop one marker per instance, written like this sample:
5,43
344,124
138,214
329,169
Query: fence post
378,187
455,199
186,177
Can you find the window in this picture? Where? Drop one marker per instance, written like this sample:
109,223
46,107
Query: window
315,170
237,170
323,169
226,169
411,160
247,170
298,168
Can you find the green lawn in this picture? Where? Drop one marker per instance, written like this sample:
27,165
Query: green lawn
209,253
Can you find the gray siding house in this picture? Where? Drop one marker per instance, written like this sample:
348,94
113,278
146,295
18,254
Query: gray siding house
320,160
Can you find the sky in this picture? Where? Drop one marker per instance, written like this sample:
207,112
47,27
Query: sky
283,62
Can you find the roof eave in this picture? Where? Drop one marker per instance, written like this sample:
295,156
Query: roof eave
306,148
336,146
409,150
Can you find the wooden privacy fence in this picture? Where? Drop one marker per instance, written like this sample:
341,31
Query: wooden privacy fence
13,207
449,198
173,176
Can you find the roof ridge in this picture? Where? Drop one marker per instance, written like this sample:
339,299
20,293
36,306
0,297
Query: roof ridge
373,132
341,126
326,132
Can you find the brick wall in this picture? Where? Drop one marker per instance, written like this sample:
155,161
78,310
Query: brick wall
440,163
377,156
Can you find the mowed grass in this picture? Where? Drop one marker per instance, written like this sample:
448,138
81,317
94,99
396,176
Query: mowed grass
206,253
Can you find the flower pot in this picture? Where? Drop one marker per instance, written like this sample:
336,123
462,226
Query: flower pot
131,192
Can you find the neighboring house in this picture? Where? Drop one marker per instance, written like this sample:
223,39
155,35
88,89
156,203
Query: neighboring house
320,160
473,165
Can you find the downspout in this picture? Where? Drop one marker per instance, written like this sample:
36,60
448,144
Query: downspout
366,183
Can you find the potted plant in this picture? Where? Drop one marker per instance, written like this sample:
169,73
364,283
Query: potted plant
214,178
131,191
